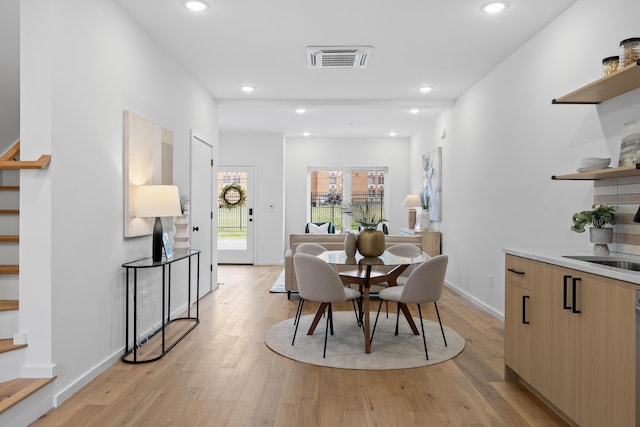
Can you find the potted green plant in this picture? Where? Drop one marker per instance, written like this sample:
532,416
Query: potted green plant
425,201
370,239
598,216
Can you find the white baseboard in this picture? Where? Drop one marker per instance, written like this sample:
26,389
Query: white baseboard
92,373
476,301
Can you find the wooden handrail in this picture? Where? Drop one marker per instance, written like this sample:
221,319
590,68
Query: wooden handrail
8,161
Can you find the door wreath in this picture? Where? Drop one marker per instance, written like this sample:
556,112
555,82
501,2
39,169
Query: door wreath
233,195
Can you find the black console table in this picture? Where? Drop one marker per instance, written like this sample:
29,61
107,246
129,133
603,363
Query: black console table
165,265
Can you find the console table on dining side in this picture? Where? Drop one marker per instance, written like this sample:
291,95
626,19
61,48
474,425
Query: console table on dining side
431,240
131,269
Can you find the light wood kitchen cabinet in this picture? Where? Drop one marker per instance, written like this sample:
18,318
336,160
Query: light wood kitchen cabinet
519,282
582,343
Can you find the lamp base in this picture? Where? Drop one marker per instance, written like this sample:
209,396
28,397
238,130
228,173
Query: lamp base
156,244
412,218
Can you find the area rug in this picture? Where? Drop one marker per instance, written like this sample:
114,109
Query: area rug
278,285
345,349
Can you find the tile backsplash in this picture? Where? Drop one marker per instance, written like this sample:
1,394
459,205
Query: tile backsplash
624,193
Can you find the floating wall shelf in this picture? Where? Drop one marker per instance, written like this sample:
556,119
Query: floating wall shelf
622,81
597,174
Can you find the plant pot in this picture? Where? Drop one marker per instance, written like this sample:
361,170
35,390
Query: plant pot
600,237
181,238
371,243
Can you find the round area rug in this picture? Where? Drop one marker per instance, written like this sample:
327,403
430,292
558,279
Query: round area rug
345,348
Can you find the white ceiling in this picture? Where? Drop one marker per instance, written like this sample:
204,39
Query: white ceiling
447,44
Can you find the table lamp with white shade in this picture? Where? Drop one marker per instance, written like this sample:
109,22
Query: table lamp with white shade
412,201
157,201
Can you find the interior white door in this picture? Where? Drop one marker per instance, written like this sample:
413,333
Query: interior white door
201,210
235,221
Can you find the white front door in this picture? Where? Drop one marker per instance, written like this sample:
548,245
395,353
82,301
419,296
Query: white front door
236,215
201,210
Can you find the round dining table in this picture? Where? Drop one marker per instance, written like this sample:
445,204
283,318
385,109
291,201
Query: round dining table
365,276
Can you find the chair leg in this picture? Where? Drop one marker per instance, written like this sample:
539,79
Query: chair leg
326,329
353,301
439,321
298,311
297,321
330,318
424,337
288,294
397,318
387,306
376,322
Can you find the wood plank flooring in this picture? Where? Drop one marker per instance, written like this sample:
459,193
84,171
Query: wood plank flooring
222,374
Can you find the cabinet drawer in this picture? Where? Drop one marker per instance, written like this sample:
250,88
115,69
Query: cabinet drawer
520,271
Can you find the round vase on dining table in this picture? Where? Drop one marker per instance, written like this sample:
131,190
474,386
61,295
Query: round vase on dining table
371,243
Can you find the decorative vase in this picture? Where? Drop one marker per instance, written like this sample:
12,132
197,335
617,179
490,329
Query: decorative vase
600,237
181,238
371,243
350,244
423,223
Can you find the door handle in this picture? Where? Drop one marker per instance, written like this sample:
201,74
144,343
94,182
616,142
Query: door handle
565,284
196,228
250,211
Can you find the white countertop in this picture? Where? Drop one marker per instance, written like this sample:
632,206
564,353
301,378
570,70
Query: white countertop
557,256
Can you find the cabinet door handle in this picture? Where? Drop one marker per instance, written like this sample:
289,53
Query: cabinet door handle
573,297
524,309
521,273
565,299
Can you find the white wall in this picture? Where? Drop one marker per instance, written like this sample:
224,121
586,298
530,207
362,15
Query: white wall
505,140
304,153
265,152
9,73
83,63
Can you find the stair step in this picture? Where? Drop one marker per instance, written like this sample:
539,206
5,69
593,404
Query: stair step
9,212
12,392
9,269
8,345
9,304
10,238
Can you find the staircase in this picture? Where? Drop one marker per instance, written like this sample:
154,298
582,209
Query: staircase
12,354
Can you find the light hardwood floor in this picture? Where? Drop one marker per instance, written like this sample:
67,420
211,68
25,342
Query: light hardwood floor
222,374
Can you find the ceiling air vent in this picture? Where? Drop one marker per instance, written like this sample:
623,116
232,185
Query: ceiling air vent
338,56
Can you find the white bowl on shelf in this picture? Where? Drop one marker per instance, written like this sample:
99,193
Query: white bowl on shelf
593,163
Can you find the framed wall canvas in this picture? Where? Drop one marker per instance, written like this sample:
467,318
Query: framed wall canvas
432,181
148,159
630,146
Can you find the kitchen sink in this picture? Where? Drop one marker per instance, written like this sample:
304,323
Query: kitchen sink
611,262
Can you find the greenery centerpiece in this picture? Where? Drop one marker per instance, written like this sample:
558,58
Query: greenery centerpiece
425,201
370,239
598,216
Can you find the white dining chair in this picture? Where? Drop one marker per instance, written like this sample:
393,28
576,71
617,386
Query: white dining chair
318,281
424,284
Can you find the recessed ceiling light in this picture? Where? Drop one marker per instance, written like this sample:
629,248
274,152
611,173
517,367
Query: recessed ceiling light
196,5
425,89
392,133
494,7
305,133
301,111
414,111
247,89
